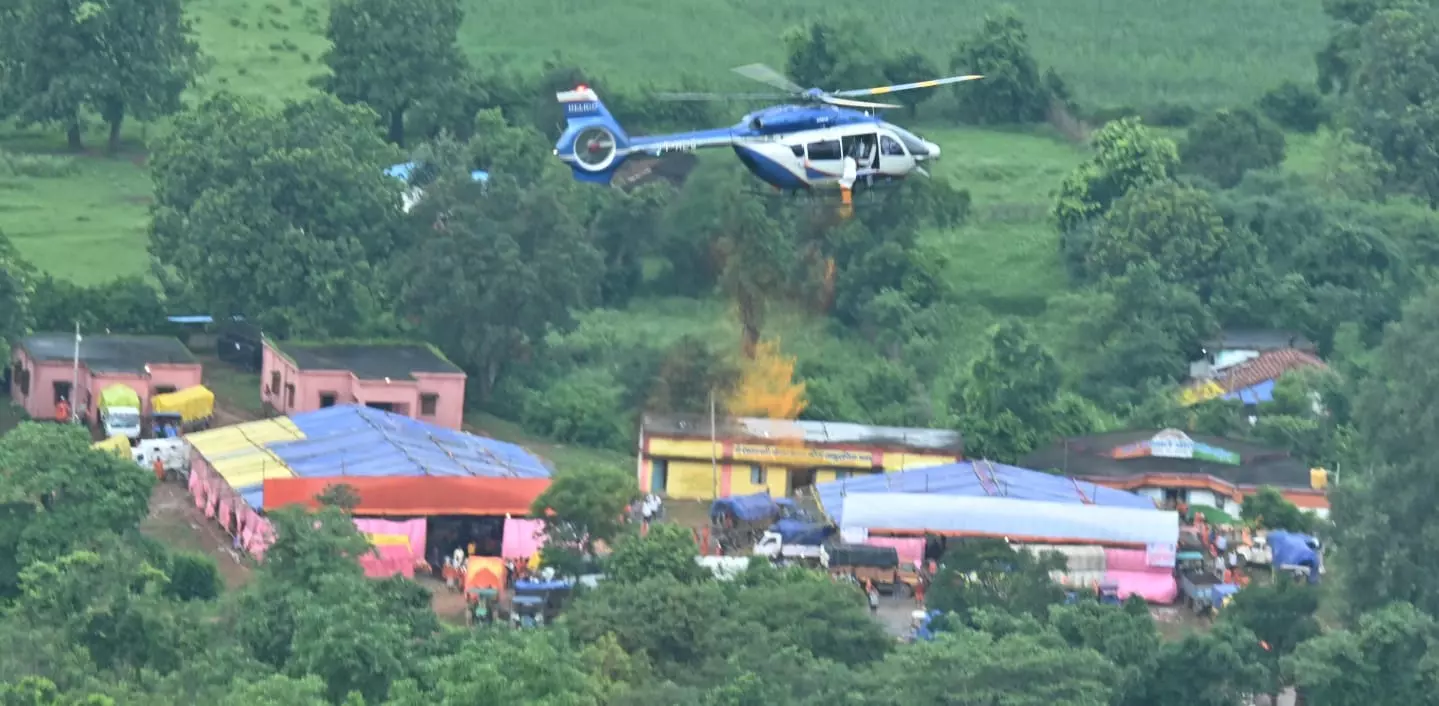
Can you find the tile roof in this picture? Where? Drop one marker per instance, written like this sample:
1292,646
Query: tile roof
1270,365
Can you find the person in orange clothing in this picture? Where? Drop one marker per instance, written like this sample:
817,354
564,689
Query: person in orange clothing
159,470
62,411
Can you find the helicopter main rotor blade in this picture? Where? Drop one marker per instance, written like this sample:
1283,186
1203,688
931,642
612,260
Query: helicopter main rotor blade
720,96
768,76
880,90
855,104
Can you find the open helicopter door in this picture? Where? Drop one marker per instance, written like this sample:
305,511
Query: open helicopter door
893,160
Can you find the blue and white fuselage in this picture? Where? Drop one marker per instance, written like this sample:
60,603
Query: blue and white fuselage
790,147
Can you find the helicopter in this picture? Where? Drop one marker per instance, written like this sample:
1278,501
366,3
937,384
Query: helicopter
817,141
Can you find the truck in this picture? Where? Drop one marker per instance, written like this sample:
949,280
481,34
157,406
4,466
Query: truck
120,412
1299,554
1257,552
741,521
173,454
864,562
185,410
1201,589
771,545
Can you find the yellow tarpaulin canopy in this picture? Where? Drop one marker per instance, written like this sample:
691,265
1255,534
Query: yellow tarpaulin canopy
389,540
238,453
118,445
192,403
1200,392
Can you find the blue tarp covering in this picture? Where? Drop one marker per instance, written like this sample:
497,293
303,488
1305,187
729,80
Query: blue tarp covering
351,440
1294,549
750,508
1263,392
979,479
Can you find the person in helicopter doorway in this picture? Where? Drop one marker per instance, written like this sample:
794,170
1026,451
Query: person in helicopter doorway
864,152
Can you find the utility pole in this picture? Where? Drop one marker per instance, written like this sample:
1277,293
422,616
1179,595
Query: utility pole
75,378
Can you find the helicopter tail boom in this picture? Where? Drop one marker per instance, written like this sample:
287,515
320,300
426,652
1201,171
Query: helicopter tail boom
593,143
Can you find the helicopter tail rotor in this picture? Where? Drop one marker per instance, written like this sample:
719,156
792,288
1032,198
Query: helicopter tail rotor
593,144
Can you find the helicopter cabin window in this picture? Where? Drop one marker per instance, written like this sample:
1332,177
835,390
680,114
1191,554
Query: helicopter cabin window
862,148
890,147
825,150
798,150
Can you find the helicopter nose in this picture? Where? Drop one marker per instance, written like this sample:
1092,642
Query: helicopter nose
933,150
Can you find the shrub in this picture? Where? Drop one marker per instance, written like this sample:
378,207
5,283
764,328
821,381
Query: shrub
193,577
1296,107
584,406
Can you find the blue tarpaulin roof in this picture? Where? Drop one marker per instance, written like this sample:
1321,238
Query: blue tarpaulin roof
352,440
978,479
1263,392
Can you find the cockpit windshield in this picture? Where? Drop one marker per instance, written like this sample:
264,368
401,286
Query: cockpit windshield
911,141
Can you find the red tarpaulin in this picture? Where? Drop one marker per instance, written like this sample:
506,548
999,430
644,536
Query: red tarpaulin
409,496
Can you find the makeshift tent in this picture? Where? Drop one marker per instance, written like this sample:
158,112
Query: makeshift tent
238,454
1023,521
1291,549
1131,571
977,479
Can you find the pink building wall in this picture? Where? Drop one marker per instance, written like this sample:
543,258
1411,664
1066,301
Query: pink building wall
39,401
449,389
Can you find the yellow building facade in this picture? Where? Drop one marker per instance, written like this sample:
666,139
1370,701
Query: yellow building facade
754,456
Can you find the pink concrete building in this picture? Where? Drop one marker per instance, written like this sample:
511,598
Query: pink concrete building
405,378
41,369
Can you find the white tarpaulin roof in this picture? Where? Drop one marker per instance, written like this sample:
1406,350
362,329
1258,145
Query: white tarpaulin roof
1024,520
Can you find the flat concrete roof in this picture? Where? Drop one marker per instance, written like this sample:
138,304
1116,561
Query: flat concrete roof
368,361
769,431
108,353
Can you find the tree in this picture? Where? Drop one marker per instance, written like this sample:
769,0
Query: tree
1382,518
1176,227
1392,98
626,230
496,267
1295,107
755,256
1269,509
767,386
283,216
347,636
60,495
1217,668
908,67
391,56
119,58
1010,403
1385,660
1228,143
1128,638
986,574
15,291
583,506
1280,614
666,550
832,56
973,667
1013,90
1126,156
691,371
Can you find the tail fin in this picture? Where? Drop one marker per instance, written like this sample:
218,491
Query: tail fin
593,144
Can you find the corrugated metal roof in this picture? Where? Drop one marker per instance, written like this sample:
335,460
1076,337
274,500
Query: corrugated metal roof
810,432
978,479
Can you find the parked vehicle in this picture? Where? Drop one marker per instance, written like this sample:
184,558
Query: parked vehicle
1299,554
1201,589
724,568
863,562
174,455
772,546
120,412
739,522
185,410
1257,553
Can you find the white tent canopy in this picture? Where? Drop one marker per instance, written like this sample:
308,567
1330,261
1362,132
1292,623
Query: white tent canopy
1023,520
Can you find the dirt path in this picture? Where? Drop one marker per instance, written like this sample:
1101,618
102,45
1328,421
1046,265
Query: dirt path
175,521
